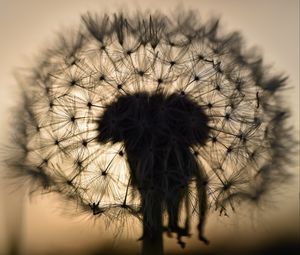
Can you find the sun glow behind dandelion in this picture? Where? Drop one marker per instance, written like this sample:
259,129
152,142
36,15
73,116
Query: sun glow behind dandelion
70,93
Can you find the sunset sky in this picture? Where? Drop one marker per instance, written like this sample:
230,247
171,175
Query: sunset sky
41,225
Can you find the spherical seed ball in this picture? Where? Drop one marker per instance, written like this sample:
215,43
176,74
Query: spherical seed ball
126,110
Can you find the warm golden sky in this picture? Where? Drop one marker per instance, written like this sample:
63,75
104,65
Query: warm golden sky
25,26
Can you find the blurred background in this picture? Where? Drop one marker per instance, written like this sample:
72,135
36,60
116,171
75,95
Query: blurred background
40,225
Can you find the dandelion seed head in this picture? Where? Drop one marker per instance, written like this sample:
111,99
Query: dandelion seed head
153,105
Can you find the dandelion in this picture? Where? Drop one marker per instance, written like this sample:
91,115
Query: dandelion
151,116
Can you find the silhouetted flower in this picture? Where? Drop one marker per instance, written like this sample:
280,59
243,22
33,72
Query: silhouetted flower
136,115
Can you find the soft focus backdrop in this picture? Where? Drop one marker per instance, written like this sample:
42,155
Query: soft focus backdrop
40,225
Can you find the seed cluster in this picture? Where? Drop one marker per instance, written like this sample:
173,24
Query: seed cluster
66,146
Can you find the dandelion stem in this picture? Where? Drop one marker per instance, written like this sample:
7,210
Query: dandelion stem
152,227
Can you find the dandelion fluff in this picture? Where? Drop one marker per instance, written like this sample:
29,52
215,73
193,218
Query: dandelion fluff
152,116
